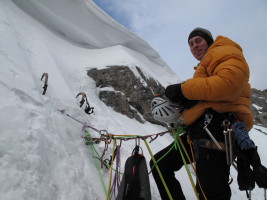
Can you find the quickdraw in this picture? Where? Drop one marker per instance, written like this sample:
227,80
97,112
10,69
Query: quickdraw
89,110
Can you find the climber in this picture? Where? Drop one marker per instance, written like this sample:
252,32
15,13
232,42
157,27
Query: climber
219,93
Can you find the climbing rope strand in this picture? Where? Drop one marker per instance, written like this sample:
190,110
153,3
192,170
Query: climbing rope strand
176,135
116,180
192,153
160,175
98,170
194,166
179,131
96,164
110,175
157,161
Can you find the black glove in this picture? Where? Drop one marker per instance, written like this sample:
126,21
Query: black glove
245,177
174,94
259,171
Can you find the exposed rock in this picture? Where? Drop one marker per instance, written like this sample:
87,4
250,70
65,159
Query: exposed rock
132,95
259,106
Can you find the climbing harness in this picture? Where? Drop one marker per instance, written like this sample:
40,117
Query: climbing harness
89,110
45,75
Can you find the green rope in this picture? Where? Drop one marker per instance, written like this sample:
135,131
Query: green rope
177,145
157,161
96,163
160,175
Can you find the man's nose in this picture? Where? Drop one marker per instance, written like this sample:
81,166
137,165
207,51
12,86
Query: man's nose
195,46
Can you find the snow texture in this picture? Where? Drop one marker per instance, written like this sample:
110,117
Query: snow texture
42,153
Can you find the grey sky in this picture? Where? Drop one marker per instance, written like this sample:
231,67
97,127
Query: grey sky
166,24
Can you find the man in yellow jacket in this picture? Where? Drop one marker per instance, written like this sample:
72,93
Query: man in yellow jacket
218,91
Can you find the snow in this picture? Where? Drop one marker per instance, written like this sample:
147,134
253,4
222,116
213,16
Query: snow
42,153
257,107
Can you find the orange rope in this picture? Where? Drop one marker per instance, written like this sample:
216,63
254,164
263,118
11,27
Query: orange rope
189,141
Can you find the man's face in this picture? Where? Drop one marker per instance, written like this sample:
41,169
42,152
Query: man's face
198,47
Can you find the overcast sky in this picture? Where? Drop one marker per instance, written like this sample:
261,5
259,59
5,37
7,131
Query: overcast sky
166,24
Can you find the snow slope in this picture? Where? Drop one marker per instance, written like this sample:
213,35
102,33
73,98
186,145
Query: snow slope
42,154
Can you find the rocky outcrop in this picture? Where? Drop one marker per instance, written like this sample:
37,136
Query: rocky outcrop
259,106
127,90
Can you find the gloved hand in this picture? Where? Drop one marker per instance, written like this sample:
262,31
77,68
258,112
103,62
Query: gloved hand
174,94
241,136
245,177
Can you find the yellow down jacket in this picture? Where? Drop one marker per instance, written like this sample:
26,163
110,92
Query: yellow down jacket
220,82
